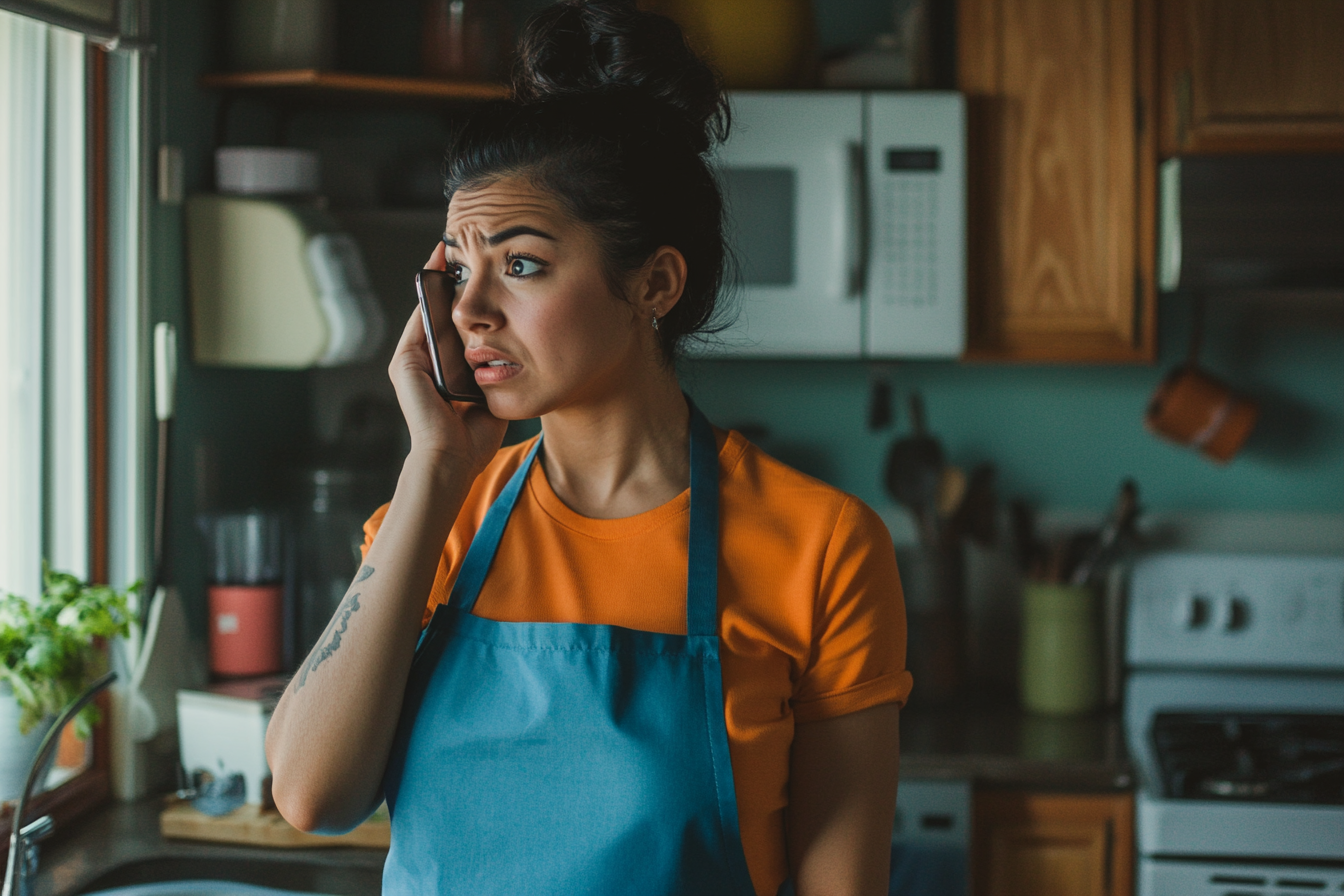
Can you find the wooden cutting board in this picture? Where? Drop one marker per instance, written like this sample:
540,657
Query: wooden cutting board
254,826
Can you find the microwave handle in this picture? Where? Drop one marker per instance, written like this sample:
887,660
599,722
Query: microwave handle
856,221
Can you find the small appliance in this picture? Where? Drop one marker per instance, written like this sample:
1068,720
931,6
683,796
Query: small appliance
847,217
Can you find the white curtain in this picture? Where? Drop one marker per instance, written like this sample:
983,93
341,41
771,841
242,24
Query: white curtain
44,461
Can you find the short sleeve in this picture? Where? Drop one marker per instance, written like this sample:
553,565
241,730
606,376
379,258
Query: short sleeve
371,527
858,643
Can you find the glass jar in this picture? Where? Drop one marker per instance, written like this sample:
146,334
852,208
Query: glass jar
333,503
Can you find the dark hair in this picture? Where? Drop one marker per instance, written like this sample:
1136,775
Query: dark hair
614,115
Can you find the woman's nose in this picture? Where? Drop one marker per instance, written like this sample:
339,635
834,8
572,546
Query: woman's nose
474,308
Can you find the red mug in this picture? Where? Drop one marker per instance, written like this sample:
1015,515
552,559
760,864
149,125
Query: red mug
1194,409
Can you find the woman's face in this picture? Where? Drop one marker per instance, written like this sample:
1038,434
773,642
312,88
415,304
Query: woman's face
540,325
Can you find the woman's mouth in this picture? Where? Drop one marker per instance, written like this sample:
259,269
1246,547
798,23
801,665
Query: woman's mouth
496,371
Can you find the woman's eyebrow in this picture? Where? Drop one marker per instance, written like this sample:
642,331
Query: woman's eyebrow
520,230
504,236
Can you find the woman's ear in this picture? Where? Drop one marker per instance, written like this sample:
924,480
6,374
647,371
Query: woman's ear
659,284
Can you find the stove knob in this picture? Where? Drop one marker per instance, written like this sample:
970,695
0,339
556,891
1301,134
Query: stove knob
1234,614
1192,612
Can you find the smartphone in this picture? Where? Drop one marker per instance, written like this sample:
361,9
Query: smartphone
453,376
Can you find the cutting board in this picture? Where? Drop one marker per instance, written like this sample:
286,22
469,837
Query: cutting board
254,826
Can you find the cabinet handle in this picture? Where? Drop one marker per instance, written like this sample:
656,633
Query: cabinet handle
856,222
1182,89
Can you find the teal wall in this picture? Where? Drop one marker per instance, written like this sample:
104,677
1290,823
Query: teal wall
1064,436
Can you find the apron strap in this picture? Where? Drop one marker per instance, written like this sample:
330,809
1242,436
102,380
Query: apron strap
702,574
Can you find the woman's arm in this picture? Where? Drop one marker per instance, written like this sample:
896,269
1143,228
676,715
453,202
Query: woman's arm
330,735
842,802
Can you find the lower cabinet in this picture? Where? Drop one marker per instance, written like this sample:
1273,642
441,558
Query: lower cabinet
1026,843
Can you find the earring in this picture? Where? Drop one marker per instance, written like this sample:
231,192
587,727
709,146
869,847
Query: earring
655,323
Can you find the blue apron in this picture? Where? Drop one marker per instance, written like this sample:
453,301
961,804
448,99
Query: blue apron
561,758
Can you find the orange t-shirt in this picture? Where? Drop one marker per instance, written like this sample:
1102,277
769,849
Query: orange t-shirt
811,616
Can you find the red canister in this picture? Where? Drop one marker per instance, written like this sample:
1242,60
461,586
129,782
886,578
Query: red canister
245,634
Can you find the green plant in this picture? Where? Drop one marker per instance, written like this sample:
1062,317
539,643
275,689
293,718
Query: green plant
48,651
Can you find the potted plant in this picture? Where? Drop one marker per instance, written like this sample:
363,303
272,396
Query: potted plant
50,652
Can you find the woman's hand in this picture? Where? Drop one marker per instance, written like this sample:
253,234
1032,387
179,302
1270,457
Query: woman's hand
466,432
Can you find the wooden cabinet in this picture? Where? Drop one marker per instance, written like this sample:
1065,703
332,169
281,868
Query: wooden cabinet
1252,76
1037,844
1061,167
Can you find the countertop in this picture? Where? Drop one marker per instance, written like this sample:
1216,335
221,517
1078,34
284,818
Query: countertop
1007,747
991,746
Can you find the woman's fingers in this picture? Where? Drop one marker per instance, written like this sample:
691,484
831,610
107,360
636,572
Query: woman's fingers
438,261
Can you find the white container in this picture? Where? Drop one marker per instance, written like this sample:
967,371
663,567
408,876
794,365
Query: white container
266,170
222,730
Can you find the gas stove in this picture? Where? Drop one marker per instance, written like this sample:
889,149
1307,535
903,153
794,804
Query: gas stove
1234,715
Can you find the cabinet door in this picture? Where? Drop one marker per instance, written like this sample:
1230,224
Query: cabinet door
1035,844
1060,179
1252,76
792,172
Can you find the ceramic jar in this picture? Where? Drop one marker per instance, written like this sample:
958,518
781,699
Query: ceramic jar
1060,672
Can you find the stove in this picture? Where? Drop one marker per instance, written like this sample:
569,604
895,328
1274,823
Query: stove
1234,716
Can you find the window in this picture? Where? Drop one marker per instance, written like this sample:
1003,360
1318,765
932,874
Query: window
73,407
44,453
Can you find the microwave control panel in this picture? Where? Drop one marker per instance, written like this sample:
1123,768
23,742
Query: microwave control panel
917,213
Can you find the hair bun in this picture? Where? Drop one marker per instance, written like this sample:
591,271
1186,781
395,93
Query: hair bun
590,47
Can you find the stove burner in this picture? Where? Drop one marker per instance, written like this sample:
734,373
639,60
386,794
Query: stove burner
1276,758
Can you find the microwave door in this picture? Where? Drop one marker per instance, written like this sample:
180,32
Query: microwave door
917,271
791,172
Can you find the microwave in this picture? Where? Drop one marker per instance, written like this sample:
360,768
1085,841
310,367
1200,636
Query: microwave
846,216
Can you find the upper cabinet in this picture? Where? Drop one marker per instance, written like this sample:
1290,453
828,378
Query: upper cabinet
1242,76
1061,167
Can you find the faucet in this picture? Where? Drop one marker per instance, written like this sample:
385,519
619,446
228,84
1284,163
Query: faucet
22,867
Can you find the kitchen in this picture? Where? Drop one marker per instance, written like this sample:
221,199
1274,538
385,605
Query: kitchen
1061,418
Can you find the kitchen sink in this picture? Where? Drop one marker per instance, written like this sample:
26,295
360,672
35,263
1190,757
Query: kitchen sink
200,876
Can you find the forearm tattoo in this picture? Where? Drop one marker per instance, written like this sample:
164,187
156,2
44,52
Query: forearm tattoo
330,641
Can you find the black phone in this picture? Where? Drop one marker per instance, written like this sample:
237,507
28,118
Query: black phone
453,376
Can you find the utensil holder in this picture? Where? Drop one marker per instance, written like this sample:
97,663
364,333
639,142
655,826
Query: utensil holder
1060,667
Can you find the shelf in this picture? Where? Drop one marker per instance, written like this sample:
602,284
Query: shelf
308,82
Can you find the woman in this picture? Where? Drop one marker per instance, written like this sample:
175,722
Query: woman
654,660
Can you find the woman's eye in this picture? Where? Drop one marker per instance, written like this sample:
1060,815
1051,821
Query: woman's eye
523,267
459,272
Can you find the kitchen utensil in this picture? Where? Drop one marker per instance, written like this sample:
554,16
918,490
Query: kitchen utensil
1191,407
222,730
951,491
976,517
914,473
1119,522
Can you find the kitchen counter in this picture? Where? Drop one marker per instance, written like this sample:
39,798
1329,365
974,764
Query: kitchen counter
123,833
1008,747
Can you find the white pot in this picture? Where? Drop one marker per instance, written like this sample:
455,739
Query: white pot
17,751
